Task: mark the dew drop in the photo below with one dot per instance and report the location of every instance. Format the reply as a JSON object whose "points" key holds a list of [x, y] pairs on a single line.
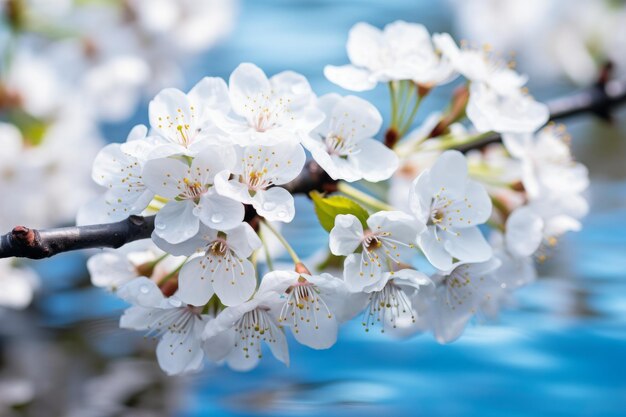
{"points": [[144, 289], [282, 214], [217, 217], [160, 226], [175, 303], [268, 205]]}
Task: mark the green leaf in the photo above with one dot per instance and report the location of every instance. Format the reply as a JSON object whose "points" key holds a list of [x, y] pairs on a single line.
{"points": [[327, 208]]}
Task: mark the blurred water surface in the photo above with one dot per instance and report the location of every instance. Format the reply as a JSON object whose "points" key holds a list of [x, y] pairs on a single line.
{"points": [[560, 352]]}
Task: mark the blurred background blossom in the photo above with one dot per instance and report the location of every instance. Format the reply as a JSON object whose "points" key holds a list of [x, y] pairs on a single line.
{"points": [[78, 73]]}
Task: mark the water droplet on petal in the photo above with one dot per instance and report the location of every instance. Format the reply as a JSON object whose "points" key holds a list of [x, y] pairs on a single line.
{"points": [[144, 289], [160, 226], [217, 217], [282, 214], [268, 205], [175, 302]]}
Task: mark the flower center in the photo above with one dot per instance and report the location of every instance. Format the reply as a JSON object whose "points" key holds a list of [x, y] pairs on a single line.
{"points": [[218, 248], [193, 189], [254, 326], [339, 145], [303, 305], [387, 306]]}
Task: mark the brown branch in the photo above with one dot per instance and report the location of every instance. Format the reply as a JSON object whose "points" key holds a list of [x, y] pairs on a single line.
{"points": [[23, 242]]}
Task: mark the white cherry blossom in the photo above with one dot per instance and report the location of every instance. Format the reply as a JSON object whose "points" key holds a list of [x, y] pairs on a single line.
{"points": [[390, 302], [222, 266], [514, 112], [258, 173], [177, 325], [370, 252], [497, 101], [313, 306], [452, 206], [548, 167], [246, 326], [401, 51], [192, 196], [459, 295], [268, 111], [112, 268], [182, 121], [118, 168], [343, 144]]}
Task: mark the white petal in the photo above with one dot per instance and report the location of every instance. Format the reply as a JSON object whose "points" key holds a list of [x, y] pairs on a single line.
{"points": [[399, 225], [232, 189], [284, 161], [110, 270], [180, 352], [470, 211], [350, 77], [176, 221], [212, 160], [449, 174], [137, 318], [235, 284], [346, 236], [361, 272], [320, 333], [469, 246], [168, 110], [246, 83], [194, 282], [219, 212], [275, 204], [375, 161], [218, 347], [434, 250], [524, 232], [364, 44], [354, 118], [243, 240], [141, 292], [164, 176], [420, 197], [211, 92], [185, 248]]}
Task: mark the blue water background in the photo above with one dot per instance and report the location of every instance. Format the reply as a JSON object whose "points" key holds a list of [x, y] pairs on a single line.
{"points": [[560, 352]]}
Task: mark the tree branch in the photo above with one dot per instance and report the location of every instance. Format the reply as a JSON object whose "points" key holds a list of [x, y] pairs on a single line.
{"points": [[37, 244], [23, 242]]}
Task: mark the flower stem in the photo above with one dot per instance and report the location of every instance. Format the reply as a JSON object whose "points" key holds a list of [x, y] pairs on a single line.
{"points": [[292, 253], [409, 121], [394, 105], [362, 197]]}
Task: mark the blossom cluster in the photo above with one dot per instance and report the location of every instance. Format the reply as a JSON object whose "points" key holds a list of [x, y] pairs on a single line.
{"points": [[219, 164], [65, 68]]}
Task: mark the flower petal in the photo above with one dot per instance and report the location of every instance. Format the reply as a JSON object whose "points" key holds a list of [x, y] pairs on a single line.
{"points": [[275, 204], [350, 77], [176, 221], [346, 235], [164, 176], [375, 161], [195, 282], [468, 246], [219, 212]]}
